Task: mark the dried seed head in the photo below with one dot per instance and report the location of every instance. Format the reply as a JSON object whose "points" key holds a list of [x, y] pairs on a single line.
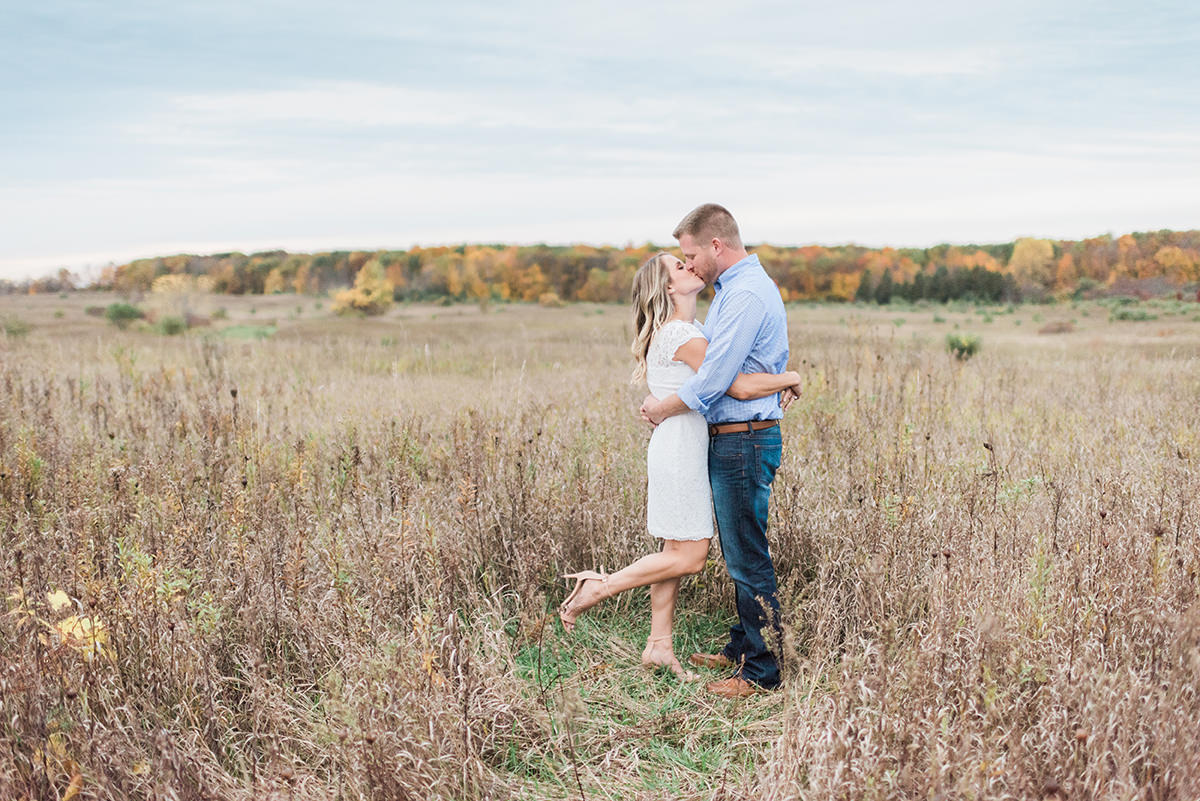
{"points": [[1081, 735], [1103, 513]]}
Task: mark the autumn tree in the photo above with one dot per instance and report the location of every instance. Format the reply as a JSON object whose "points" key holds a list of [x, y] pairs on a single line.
{"points": [[844, 286], [1177, 264], [1033, 261], [179, 294], [371, 295], [1065, 274]]}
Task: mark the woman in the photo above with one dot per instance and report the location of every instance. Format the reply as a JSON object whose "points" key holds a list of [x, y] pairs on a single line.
{"points": [[668, 348]]}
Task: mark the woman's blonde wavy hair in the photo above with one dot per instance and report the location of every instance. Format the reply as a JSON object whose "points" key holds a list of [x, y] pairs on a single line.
{"points": [[651, 308]]}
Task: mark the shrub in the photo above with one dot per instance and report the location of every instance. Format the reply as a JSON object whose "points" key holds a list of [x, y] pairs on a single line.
{"points": [[1131, 314], [1059, 327], [172, 325], [122, 314], [963, 346], [14, 326], [550, 300], [221, 314], [94, 311]]}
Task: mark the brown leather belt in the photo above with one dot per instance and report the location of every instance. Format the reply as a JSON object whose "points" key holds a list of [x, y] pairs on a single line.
{"points": [[747, 426]]}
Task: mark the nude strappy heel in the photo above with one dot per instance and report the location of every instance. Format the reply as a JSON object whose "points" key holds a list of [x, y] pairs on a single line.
{"points": [[565, 613]]}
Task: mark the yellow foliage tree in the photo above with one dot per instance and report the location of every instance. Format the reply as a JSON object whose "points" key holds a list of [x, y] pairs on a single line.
{"points": [[178, 293], [304, 281], [372, 292], [1178, 264], [844, 285], [275, 283], [1033, 260], [531, 283]]}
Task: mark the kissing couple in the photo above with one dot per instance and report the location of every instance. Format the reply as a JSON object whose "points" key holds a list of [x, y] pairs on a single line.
{"points": [[717, 395]]}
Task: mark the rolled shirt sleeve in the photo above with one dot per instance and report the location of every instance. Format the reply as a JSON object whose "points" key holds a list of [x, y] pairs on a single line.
{"points": [[728, 351]]}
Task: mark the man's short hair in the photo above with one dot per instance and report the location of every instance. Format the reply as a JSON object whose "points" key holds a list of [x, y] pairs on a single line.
{"points": [[710, 221]]}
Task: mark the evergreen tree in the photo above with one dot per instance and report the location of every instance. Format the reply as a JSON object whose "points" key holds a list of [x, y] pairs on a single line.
{"points": [[919, 289], [940, 289], [864, 293], [883, 292]]}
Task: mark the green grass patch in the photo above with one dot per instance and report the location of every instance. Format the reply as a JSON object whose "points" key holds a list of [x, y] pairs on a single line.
{"points": [[1131, 314], [248, 332], [682, 739], [14, 326]]}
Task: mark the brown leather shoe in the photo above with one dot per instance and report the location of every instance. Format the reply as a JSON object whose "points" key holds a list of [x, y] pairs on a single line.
{"points": [[711, 661], [733, 687]]}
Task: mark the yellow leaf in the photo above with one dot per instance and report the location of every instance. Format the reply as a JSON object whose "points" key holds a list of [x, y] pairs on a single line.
{"points": [[73, 787], [88, 635], [58, 599]]}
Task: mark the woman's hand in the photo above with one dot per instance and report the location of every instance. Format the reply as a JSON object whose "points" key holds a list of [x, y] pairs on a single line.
{"points": [[644, 410], [789, 393]]}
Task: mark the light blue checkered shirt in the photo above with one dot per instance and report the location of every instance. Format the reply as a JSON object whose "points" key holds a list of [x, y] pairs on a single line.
{"points": [[746, 329]]}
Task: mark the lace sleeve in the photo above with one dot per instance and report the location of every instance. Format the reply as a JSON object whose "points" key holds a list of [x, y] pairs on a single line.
{"points": [[670, 337]]}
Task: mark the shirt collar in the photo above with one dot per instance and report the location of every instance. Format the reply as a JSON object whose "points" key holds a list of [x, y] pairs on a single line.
{"points": [[734, 270]]}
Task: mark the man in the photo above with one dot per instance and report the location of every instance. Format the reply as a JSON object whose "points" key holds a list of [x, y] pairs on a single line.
{"points": [[747, 332]]}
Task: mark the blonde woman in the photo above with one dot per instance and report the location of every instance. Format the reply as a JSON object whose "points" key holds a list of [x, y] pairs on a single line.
{"points": [[668, 347]]}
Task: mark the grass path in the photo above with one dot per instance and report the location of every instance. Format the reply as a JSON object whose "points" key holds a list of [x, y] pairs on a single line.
{"points": [[627, 728]]}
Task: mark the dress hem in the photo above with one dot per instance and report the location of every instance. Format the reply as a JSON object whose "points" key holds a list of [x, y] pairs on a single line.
{"points": [[681, 539]]}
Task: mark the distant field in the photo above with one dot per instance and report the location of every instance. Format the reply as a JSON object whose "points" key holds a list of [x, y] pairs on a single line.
{"points": [[292, 555]]}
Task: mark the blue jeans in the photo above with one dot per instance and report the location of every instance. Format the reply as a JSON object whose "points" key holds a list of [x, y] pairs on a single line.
{"points": [[741, 467]]}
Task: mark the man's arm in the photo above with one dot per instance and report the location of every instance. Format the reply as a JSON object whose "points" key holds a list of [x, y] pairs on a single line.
{"points": [[741, 317]]}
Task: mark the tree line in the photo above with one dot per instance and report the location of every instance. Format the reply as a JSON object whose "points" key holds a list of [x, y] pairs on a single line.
{"points": [[1027, 269]]}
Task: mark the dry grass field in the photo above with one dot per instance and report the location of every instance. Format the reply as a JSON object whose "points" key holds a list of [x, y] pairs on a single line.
{"points": [[296, 556]]}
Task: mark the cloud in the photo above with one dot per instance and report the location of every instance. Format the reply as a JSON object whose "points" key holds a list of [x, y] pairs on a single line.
{"points": [[821, 62], [367, 106]]}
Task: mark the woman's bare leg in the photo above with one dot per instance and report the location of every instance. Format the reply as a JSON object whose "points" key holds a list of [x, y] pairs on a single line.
{"points": [[677, 558], [663, 595], [660, 647], [661, 571]]}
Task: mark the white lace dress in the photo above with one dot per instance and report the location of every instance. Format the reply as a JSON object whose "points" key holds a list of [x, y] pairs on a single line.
{"points": [[679, 499]]}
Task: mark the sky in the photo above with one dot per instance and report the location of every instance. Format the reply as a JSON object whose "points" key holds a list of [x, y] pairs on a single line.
{"points": [[134, 129]]}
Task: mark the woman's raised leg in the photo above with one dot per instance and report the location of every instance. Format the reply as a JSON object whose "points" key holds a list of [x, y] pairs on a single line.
{"points": [[677, 558]]}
